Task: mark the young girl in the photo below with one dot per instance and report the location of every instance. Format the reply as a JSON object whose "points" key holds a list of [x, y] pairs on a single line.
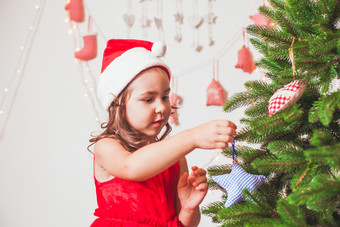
{"points": [[140, 179]]}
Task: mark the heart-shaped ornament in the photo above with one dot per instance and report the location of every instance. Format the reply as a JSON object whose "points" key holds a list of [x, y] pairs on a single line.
{"points": [[129, 19], [158, 23]]}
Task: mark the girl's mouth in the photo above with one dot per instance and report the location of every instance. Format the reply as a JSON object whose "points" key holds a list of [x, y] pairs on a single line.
{"points": [[158, 123]]}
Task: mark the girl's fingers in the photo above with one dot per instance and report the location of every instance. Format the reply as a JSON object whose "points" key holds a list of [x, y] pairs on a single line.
{"points": [[198, 180], [183, 180], [202, 187], [226, 123], [224, 138]]}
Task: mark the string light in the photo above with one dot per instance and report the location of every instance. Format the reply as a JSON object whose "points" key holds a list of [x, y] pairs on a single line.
{"points": [[7, 101]]}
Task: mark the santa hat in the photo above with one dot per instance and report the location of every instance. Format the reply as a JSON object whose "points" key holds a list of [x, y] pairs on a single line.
{"points": [[123, 60]]}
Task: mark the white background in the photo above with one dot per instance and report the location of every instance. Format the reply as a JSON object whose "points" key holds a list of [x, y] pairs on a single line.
{"points": [[45, 170]]}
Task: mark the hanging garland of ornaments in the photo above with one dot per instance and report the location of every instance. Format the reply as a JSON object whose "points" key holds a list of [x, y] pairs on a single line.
{"points": [[196, 21], [129, 18], [211, 18], [159, 20], [178, 21]]}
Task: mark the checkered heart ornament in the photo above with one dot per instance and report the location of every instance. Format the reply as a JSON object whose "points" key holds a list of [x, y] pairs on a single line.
{"points": [[238, 180], [286, 96]]}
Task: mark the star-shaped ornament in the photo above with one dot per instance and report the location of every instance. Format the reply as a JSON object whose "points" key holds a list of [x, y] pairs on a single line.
{"points": [[236, 181], [260, 20], [179, 17]]}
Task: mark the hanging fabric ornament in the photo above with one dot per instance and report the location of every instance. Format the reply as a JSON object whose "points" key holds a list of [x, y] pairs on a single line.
{"points": [[175, 100], [238, 180], [286, 96], [196, 22], [259, 19], [215, 92], [289, 94], [75, 9], [129, 18], [245, 58], [178, 21], [89, 50]]}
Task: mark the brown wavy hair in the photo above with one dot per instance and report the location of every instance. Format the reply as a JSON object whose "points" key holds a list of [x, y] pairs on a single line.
{"points": [[117, 127]]}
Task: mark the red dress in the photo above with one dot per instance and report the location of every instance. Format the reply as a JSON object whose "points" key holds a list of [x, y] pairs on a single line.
{"points": [[147, 203]]}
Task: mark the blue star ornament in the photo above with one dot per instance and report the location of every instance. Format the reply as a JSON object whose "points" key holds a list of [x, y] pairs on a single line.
{"points": [[236, 181]]}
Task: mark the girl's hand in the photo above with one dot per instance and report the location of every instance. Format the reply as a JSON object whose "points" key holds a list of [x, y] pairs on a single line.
{"points": [[213, 135], [192, 188]]}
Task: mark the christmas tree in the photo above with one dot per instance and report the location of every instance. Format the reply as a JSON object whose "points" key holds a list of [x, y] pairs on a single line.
{"points": [[296, 145]]}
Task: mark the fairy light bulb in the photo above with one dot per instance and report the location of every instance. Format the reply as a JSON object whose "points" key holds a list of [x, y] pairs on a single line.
{"points": [[97, 119], [70, 31], [86, 81], [37, 7], [31, 27], [1, 111], [6, 89], [22, 47], [67, 20], [18, 71], [86, 95], [91, 89]]}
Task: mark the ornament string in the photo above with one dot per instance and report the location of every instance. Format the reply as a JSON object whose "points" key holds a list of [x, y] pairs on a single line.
{"points": [[234, 153], [291, 56]]}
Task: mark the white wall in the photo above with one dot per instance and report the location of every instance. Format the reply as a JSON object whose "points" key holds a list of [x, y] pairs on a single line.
{"points": [[45, 170]]}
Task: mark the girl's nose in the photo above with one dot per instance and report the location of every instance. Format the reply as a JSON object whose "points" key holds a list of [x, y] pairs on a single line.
{"points": [[160, 108]]}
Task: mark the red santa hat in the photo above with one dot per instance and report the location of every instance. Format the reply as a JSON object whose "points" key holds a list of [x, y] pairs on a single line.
{"points": [[123, 60]]}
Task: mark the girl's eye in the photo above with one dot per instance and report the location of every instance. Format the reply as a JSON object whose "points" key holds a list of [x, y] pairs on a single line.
{"points": [[165, 97], [147, 100]]}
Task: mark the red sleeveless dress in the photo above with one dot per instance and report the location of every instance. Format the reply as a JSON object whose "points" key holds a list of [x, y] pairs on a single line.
{"points": [[147, 203]]}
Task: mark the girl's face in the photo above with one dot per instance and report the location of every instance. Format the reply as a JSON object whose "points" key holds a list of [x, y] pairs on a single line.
{"points": [[148, 106]]}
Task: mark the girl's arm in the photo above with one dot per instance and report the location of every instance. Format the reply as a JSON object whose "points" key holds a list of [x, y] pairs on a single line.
{"points": [[154, 158]]}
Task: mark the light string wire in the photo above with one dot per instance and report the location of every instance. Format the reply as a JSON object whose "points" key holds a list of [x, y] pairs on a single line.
{"points": [[20, 68]]}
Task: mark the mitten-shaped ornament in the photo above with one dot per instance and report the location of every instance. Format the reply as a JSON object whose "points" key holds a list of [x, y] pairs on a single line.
{"points": [[89, 50], [174, 101], [236, 181], [245, 60], [76, 10], [286, 96], [215, 94]]}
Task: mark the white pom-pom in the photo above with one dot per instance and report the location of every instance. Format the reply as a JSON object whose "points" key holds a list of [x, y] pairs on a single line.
{"points": [[158, 48]]}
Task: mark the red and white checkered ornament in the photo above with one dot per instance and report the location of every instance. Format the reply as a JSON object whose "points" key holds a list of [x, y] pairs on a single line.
{"points": [[286, 96]]}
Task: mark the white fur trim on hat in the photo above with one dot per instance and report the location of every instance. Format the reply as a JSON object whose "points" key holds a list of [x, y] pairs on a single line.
{"points": [[118, 74]]}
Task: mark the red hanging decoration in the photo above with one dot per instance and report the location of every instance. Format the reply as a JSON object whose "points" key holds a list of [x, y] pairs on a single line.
{"points": [[215, 94], [286, 96], [89, 50], [75, 9], [175, 100], [245, 60]]}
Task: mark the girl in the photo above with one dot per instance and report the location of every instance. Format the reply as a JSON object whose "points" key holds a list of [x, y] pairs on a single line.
{"points": [[143, 180]]}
